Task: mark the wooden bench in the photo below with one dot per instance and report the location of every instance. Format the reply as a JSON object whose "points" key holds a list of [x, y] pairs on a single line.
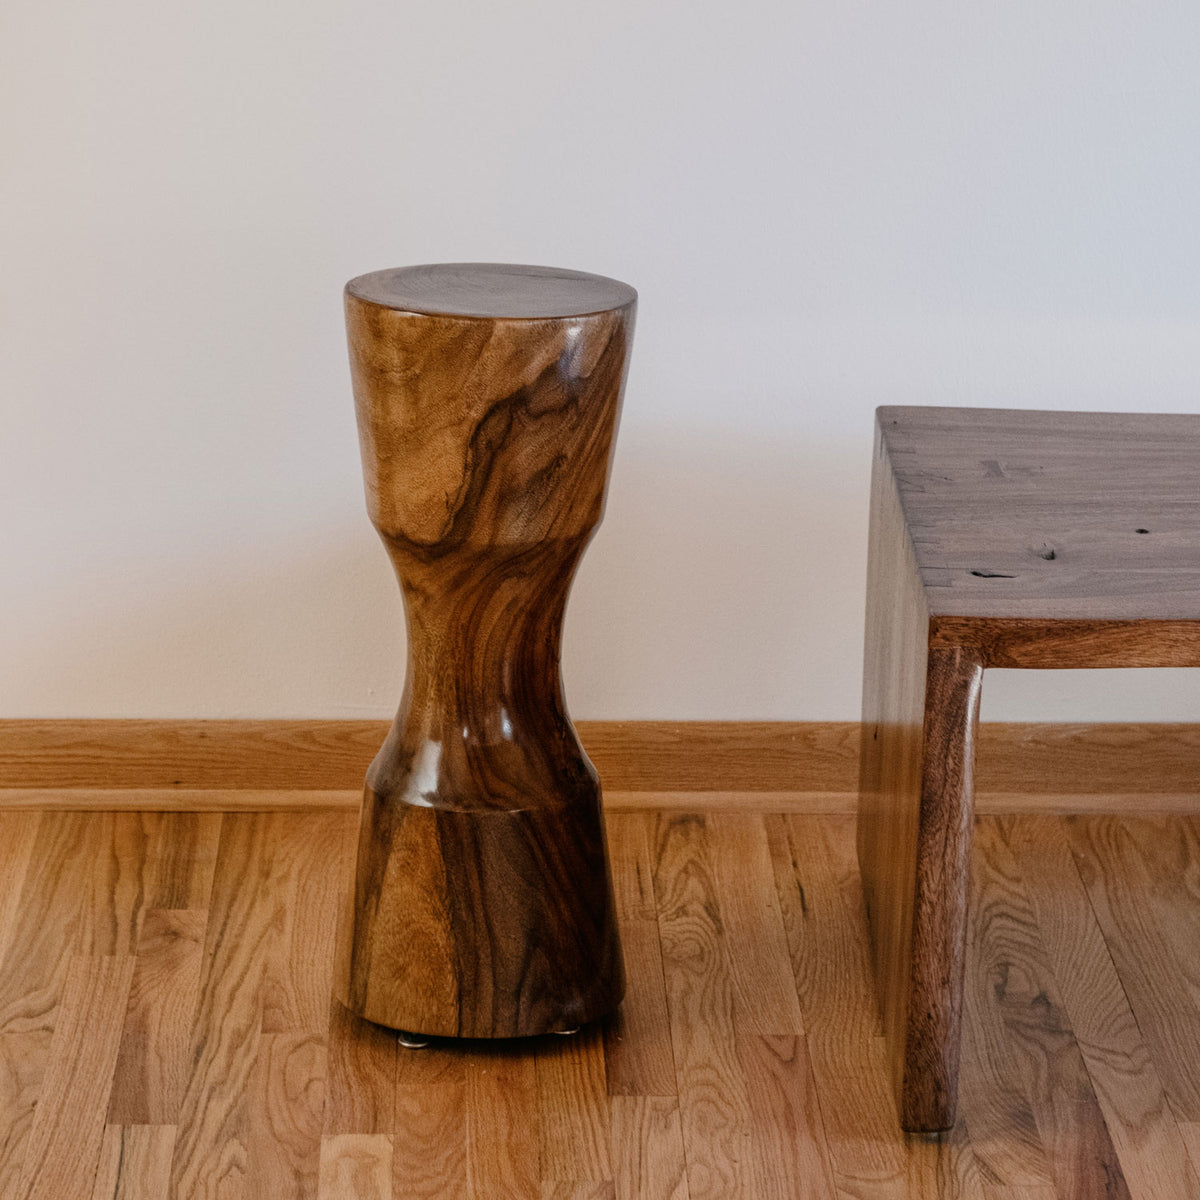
{"points": [[999, 538]]}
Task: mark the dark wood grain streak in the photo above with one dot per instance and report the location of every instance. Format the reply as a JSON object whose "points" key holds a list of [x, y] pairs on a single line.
{"points": [[482, 905], [998, 539]]}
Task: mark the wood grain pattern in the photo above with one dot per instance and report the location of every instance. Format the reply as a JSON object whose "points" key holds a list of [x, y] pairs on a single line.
{"points": [[827, 939], [310, 862], [1082, 1158], [221, 766], [212, 1145], [135, 1163], [34, 969], [1079, 990], [1149, 1145], [573, 1112], [920, 708], [183, 859], [225, 761], [713, 1104], [67, 1131], [154, 1059], [122, 846], [1122, 883], [18, 831], [637, 1039], [284, 1113], [356, 1166], [999, 1109], [785, 1113], [556, 1189], [648, 1155], [361, 1076], [987, 803], [502, 1123], [764, 991], [998, 539], [429, 1145], [943, 1166], [482, 905], [23, 1059]]}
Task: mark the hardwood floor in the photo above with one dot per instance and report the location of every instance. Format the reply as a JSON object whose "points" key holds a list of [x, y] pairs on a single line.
{"points": [[166, 1028]]}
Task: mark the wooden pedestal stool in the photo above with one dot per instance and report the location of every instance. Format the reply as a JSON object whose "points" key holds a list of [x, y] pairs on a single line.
{"points": [[487, 399], [998, 539]]}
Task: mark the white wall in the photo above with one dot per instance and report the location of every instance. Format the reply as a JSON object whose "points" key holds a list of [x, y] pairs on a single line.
{"points": [[825, 206]]}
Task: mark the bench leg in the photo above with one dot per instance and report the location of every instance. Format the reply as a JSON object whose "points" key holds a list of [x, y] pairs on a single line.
{"points": [[920, 710], [914, 851]]}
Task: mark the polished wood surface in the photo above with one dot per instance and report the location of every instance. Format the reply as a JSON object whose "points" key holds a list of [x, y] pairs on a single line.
{"points": [[1054, 533], [315, 762], [133, 1068], [998, 539], [487, 401], [506, 291]]}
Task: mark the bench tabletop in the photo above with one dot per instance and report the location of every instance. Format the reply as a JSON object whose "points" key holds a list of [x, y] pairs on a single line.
{"points": [[1058, 515]]}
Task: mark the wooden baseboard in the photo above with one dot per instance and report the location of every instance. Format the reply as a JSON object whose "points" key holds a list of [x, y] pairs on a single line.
{"points": [[777, 766]]}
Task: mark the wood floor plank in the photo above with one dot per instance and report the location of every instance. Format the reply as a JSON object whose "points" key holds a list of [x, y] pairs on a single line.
{"points": [[356, 1166], [870, 1155], [827, 940], [791, 1157], [117, 882], [18, 831], [1030, 1191], [1082, 981], [1119, 884], [23, 1061], [155, 1053], [637, 1040], [67, 1130], [361, 1085], [648, 1158], [1169, 848], [1148, 1141], [945, 1166], [502, 1123], [993, 1097], [1190, 1132], [210, 1156], [183, 859], [1082, 1158], [429, 1142], [23, 1056], [764, 990], [135, 1163], [34, 970], [573, 1115], [311, 862], [713, 1105], [284, 1117], [360, 1089]]}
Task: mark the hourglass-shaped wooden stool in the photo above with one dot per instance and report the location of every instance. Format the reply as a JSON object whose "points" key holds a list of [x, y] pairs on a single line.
{"points": [[487, 400]]}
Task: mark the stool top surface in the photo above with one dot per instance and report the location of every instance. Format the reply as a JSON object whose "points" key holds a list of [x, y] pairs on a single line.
{"points": [[1062, 515], [496, 291]]}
